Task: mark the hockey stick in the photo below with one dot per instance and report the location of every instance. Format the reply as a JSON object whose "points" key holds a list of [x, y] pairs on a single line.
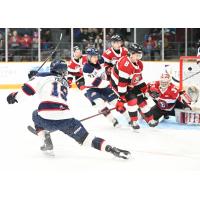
{"points": [[100, 113], [51, 54], [32, 130], [177, 81], [79, 79]]}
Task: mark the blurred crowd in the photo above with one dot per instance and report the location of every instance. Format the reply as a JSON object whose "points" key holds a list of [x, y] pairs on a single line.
{"points": [[125, 33], [2, 44], [152, 44], [23, 42], [89, 37]]}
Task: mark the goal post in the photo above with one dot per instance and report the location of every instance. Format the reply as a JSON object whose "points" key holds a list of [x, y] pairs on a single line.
{"points": [[188, 78], [188, 69]]}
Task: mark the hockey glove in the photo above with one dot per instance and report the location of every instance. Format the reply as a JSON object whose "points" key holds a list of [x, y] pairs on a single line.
{"points": [[32, 73], [120, 106], [69, 81], [154, 93], [11, 98], [82, 87]]}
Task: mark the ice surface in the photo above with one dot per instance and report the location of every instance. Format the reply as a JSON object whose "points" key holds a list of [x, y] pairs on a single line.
{"points": [[168, 147]]}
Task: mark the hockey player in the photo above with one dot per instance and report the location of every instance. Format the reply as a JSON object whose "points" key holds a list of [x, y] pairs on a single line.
{"points": [[75, 68], [98, 87], [114, 53], [127, 81], [167, 97], [53, 112]]}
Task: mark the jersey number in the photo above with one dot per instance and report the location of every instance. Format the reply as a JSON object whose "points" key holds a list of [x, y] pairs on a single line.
{"points": [[126, 64], [62, 92]]}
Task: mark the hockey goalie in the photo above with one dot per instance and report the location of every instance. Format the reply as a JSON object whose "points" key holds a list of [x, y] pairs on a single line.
{"points": [[169, 101]]}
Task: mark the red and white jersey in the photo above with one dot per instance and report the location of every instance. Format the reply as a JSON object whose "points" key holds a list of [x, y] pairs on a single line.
{"points": [[123, 73], [52, 92], [168, 97], [137, 77], [111, 57], [76, 68]]}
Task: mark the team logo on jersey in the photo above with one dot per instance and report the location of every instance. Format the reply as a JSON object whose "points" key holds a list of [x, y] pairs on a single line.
{"points": [[162, 104]]}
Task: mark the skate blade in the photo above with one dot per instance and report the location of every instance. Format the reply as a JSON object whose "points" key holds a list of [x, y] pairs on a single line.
{"points": [[125, 156], [49, 153]]}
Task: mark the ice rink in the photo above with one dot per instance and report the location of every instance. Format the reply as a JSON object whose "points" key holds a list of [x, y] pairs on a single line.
{"points": [[168, 147]]}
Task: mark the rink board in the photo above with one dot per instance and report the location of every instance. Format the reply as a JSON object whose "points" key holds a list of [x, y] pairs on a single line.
{"points": [[14, 74]]}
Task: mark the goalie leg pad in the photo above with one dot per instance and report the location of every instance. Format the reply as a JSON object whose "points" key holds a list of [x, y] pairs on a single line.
{"points": [[187, 117]]}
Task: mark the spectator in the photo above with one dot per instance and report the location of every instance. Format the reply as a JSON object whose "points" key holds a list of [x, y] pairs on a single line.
{"points": [[108, 44], [111, 32], [84, 35], [149, 47], [2, 47], [35, 46], [77, 34], [46, 39], [98, 43], [14, 41], [35, 40], [25, 42]]}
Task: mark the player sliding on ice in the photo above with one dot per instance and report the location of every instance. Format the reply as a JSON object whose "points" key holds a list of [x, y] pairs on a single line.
{"points": [[53, 112], [167, 97]]}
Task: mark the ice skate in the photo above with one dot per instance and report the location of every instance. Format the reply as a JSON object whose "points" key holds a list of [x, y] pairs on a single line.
{"points": [[153, 123], [134, 125], [118, 152]]}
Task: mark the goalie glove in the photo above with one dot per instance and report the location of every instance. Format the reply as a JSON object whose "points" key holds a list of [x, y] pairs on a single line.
{"points": [[153, 92]]}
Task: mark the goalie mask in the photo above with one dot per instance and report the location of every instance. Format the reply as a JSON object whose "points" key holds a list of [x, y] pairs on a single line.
{"points": [[165, 80]]}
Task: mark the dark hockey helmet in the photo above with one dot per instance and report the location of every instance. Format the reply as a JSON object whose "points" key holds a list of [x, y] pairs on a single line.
{"points": [[92, 52], [135, 48], [58, 67], [116, 38], [76, 48]]}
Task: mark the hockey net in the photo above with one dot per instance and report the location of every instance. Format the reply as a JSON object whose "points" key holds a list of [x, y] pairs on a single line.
{"points": [[187, 77]]}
